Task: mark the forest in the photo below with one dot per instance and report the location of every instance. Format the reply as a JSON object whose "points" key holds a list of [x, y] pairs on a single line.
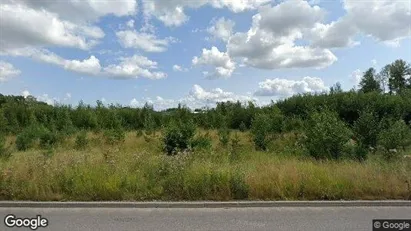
{"points": [[331, 145]]}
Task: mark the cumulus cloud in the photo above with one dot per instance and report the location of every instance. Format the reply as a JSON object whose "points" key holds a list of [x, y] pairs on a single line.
{"points": [[143, 41], [356, 77], [197, 97], [130, 23], [134, 67], [384, 20], [270, 42], [129, 67], [224, 66], [222, 29], [171, 12], [82, 11], [25, 93], [285, 88], [7, 71], [179, 68]]}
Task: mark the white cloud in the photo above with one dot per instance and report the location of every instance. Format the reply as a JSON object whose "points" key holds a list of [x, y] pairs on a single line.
{"points": [[130, 23], [224, 66], [374, 62], [270, 42], [129, 67], [47, 99], [134, 67], [222, 29], [197, 97], [356, 77], [171, 12], [82, 11], [25, 93], [285, 88], [7, 71], [143, 41], [23, 26], [179, 68], [384, 20]]}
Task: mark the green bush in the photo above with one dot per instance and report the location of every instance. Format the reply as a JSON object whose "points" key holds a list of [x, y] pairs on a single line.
{"points": [[366, 129], [202, 142], [238, 187], [178, 136], [395, 136], [48, 139], [235, 147], [81, 140], [326, 135], [260, 130], [114, 136], [28, 137], [4, 152], [242, 127], [224, 136]]}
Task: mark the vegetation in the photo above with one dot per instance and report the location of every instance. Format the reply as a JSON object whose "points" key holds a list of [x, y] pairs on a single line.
{"points": [[331, 145]]}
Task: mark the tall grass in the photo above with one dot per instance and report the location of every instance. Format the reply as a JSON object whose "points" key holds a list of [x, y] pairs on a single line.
{"points": [[138, 170]]}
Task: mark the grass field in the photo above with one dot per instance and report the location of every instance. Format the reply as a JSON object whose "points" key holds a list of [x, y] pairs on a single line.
{"points": [[138, 170]]}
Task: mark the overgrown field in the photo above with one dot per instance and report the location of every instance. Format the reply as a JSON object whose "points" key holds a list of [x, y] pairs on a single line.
{"points": [[137, 169], [325, 146]]}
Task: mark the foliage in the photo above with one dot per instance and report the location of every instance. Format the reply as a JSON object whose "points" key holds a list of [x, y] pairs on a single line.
{"points": [[224, 136], [81, 140], [396, 135], [114, 136], [260, 130], [178, 136], [326, 135], [366, 129], [369, 83], [202, 141]]}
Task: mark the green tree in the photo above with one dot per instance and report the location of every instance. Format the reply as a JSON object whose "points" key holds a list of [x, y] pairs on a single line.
{"points": [[366, 129], [326, 135], [260, 129], [398, 71], [396, 135], [369, 82]]}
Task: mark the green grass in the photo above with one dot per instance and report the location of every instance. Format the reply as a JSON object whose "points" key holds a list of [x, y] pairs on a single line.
{"points": [[137, 170]]}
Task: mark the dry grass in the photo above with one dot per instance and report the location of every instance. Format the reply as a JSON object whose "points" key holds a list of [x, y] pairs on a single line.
{"points": [[138, 170]]}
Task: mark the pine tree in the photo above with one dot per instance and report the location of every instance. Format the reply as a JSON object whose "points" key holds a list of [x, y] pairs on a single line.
{"points": [[368, 82]]}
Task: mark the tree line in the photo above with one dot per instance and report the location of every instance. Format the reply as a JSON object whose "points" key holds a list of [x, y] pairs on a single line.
{"points": [[382, 102]]}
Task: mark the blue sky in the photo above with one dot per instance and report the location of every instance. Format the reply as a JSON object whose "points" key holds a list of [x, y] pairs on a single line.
{"points": [[126, 51]]}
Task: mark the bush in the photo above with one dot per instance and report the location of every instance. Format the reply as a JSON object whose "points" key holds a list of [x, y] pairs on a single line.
{"points": [[4, 152], [114, 136], [48, 139], [178, 136], [202, 142], [238, 187], [366, 129], [235, 147], [27, 138], [224, 136], [326, 135], [260, 130], [395, 136], [81, 140], [242, 127]]}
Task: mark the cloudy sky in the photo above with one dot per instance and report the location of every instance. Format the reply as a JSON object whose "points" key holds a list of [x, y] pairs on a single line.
{"points": [[196, 52]]}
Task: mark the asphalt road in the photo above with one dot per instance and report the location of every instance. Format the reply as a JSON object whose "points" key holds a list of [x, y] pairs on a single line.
{"points": [[280, 218]]}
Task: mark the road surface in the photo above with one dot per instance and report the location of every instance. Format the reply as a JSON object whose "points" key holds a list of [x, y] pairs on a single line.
{"points": [[279, 218]]}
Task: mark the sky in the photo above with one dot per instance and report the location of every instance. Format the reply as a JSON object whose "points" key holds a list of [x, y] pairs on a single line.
{"points": [[194, 52]]}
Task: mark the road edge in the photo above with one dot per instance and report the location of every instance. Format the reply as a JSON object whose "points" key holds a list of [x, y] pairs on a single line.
{"points": [[203, 204]]}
